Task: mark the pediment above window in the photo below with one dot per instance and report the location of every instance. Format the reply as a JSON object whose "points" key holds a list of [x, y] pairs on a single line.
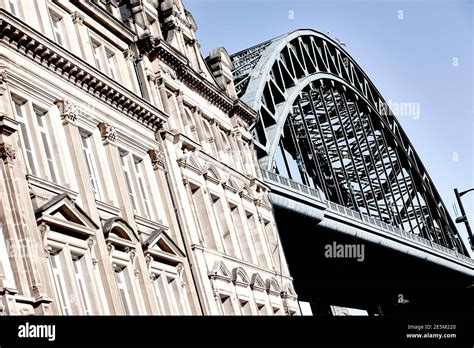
{"points": [[189, 161], [220, 271], [162, 248], [257, 283], [231, 185], [272, 286], [240, 277], [211, 174], [247, 193], [62, 212], [119, 232], [289, 292]]}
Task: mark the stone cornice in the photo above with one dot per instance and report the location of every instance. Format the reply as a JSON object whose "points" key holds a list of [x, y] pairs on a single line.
{"points": [[50, 55], [156, 48]]}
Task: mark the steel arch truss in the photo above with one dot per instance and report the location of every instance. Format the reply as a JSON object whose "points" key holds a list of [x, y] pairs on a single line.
{"points": [[322, 122]]}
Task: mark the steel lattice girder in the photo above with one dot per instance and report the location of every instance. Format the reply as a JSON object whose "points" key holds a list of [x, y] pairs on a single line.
{"points": [[316, 103]]}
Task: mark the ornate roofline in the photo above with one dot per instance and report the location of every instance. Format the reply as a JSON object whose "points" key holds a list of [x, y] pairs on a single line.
{"points": [[50, 55], [155, 48]]}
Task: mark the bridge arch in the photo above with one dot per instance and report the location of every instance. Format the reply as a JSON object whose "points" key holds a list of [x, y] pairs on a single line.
{"points": [[324, 124]]}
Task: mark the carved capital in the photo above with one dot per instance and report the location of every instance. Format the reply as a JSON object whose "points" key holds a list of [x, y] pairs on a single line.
{"points": [[7, 153], [77, 18], [157, 158], [196, 110], [107, 132], [179, 95], [67, 110], [128, 54]]}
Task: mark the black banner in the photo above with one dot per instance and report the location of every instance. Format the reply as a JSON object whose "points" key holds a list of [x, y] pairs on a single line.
{"points": [[455, 329]]}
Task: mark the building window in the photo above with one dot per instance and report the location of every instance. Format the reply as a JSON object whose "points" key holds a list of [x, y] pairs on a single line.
{"points": [[45, 140], [104, 59], [262, 309], [167, 291], [221, 220], [14, 7], [72, 281], [96, 50], [68, 238], [57, 23], [245, 307], [226, 305], [142, 185], [79, 265], [60, 281], [123, 282], [165, 262], [241, 235], [121, 241], [111, 64], [202, 215], [25, 133], [257, 240], [124, 160], [91, 164]]}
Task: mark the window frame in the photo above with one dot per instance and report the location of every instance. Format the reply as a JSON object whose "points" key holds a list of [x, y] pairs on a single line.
{"points": [[57, 27], [125, 162], [26, 127], [71, 248], [45, 138], [105, 57], [91, 163], [148, 210]]}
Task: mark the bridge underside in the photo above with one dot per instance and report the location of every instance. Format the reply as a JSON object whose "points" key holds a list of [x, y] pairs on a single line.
{"points": [[374, 284]]}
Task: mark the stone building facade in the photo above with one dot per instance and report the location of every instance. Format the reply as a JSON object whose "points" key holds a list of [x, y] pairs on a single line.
{"points": [[128, 180]]}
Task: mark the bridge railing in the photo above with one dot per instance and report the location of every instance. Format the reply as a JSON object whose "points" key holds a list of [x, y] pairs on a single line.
{"points": [[291, 184], [351, 213]]}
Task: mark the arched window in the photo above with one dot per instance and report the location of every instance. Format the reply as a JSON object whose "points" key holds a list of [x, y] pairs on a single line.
{"points": [[210, 144], [190, 125], [226, 150]]}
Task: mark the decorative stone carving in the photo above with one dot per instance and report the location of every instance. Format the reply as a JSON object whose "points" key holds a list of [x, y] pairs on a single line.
{"points": [[67, 110], [157, 158], [168, 71], [77, 18], [107, 132], [110, 247], [239, 122], [44, 229], [128, 54], [90, 243], [7, 153], [3, 80]]}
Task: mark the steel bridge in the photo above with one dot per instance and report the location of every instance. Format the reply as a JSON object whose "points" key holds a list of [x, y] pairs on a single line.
{"points": [[341, 169]]}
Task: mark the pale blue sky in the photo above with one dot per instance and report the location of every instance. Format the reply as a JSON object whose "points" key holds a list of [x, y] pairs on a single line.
{"points": [[408, 60]]}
